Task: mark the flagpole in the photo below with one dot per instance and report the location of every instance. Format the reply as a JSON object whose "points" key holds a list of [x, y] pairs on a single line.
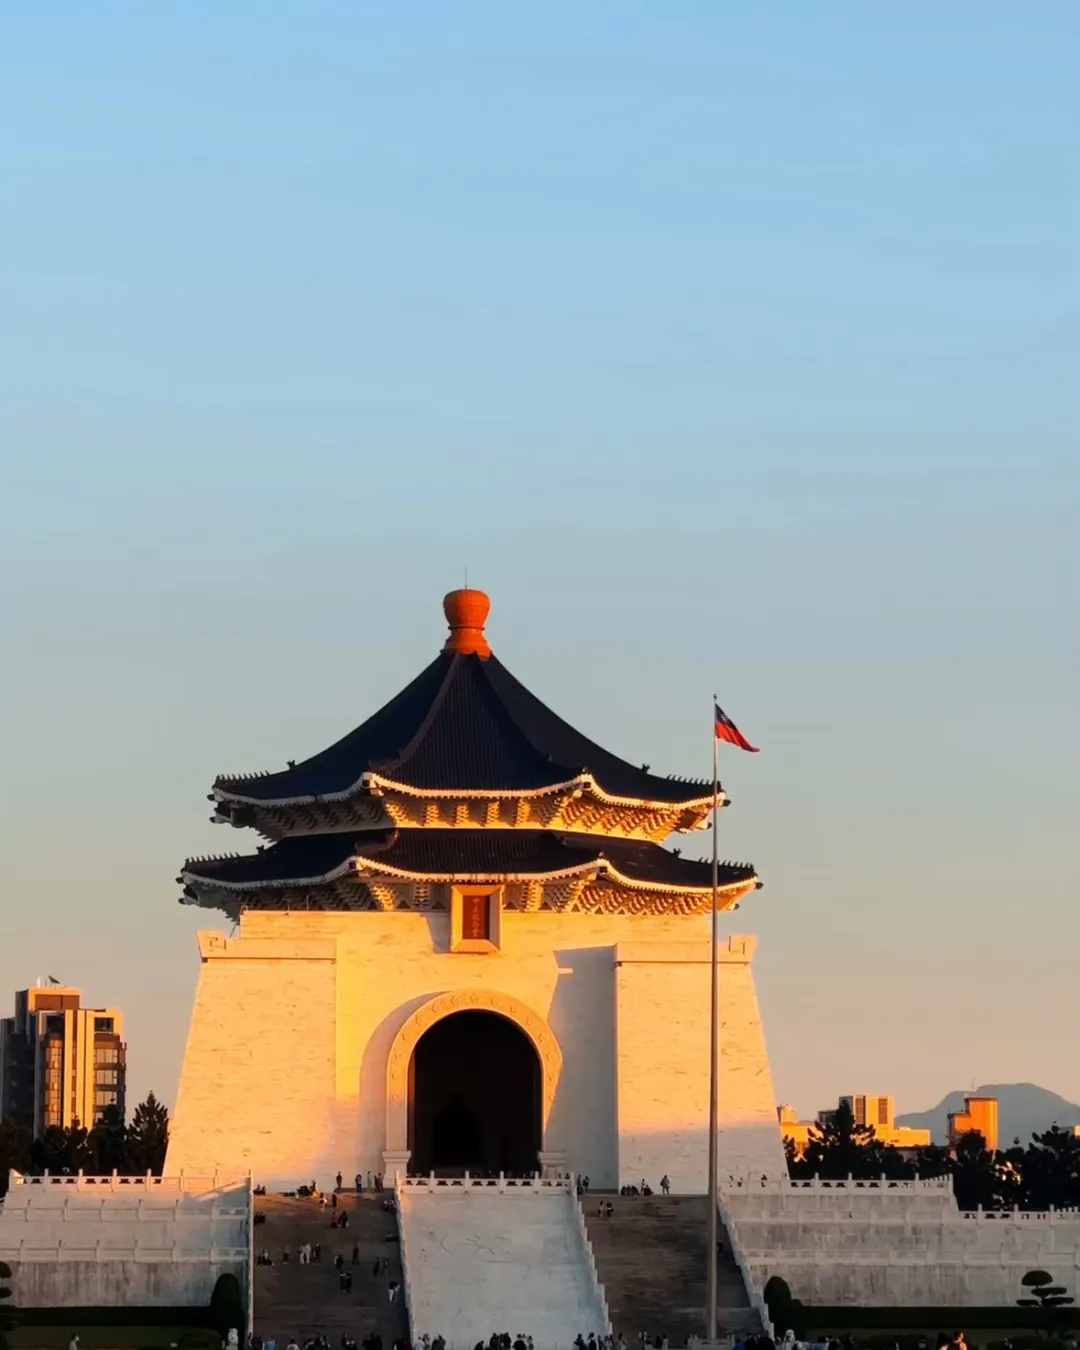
{"points": [[714, 1008]]}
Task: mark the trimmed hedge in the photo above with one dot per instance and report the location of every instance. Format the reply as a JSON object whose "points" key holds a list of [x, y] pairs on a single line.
{"points": [[920, 1319], [198, 1318]]}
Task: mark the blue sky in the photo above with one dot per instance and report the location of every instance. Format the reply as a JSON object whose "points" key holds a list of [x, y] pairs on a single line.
{"points": [[728, 346]]}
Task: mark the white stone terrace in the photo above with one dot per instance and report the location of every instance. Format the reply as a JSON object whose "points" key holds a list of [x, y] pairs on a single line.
{"points": [[77, 1239]]}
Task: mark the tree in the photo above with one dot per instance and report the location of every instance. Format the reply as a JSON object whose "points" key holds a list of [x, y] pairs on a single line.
{"points": [[15, 1144], [64, 1150], [109, 1142], [148, 1137], [1049, 1298], [8, 1316], [50, 1152], [839, 1148], [1051, 1170], [978, 1179]]}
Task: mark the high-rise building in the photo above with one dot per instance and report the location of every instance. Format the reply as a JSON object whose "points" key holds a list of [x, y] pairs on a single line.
{"points": [[875, 1111], [60, 1062], [980, 1115]]}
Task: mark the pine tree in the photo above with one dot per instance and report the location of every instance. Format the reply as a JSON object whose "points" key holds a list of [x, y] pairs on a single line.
{"points": [[148, 1137], [839, 1148], [109, 1141], [1051, 1170], [1049, 1298]]}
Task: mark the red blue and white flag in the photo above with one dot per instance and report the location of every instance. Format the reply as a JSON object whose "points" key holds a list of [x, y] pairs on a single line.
{"points": [[726, 730]]}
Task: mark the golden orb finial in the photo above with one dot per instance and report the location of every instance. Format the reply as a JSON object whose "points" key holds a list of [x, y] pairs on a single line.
{"points": [[466, 612]]}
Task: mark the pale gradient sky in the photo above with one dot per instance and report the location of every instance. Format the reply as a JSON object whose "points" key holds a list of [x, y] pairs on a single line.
{"points": [[729, 345]]}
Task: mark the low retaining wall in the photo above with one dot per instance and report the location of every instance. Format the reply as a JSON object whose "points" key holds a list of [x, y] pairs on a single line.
{"points": [[894, 1244], [84, 1241]]}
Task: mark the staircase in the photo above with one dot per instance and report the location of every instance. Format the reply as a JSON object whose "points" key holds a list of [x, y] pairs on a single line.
{"points": [[651, 1259], [484, 1257], [301, 1300]]}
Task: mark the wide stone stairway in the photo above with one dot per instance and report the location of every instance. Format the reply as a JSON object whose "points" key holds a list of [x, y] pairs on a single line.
{"points": [[651, 1259], [299, 1300], [512, 1258]]}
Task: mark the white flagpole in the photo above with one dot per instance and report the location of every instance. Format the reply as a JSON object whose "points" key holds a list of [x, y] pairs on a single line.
{"points": [[714, 1009]]}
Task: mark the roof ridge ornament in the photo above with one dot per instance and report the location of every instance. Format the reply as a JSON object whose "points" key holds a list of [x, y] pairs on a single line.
{"points": [[466, 612]]}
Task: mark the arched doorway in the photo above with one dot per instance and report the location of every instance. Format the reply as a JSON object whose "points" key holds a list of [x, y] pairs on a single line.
{"points": [[474, 1097]]}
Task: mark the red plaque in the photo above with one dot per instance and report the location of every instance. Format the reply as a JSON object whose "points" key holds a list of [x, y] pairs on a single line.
{"points": [[476, 918]]}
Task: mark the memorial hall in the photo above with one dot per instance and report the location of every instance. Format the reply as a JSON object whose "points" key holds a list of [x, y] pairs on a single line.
{"points": [[464, 944]]}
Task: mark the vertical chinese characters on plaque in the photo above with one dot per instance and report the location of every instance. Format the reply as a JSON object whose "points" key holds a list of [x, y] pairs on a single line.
{"points": [[476, 918]]}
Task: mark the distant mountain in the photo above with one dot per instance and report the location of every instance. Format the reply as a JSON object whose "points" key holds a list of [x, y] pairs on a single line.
{"points": [[1023, 1110]]}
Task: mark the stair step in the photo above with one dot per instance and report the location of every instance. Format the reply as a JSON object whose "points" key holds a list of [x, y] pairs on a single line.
{"points": [[299, 1300], [651, 1260]]}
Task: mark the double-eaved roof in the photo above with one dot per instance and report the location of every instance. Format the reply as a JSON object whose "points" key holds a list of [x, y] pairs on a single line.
{"points": [[465, 776]]}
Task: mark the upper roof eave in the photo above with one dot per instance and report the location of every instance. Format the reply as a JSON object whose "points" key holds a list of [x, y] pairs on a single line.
{"points": [[376, 784]]}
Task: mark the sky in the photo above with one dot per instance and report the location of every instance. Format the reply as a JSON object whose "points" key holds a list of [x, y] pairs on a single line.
{"points": [[729, 346]]}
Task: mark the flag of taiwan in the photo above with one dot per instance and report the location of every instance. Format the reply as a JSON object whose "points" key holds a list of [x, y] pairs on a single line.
{"points": [[726, 730]]}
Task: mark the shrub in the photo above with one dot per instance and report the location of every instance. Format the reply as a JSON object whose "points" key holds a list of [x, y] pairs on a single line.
{"points": [[227, 1306]]}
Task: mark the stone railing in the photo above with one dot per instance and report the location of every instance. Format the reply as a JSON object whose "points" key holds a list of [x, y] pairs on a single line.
{"points": [[1021, 1215], [500, 1185], [406, 1278], [754, 1291], [185, 1183], [786, 1185], [590, 1258]]}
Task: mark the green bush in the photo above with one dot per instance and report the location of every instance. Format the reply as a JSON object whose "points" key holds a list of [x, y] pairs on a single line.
{"points": [[227, 1306], [198, 1318], [198, 1340]]}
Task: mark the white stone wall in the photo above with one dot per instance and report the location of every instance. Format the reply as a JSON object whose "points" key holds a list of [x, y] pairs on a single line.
{"points": [[101, 1241], [115, 1281], [286, 1064], [257, 1091], [896, 1246], [663, 1066]]}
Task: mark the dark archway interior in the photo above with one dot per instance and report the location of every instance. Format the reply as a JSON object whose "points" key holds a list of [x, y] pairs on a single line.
{"points": [[474, 1097]]}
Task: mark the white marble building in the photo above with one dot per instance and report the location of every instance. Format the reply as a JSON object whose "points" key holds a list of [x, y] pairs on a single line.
{"points": [[464, 947]]}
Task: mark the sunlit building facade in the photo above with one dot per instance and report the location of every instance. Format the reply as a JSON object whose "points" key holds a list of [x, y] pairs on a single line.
{"points": [[60, 1063]]}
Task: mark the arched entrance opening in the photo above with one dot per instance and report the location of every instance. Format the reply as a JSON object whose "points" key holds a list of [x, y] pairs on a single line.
{"points": [[474, 1097]]}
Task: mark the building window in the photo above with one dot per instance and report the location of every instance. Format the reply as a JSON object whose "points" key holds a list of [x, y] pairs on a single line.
{"points": [[476, 919], [106, 1054], [883, 1111], [103, 1024]]}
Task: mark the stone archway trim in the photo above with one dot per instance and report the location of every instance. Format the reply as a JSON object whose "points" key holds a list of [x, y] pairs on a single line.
{"points": [[443, 1005]]}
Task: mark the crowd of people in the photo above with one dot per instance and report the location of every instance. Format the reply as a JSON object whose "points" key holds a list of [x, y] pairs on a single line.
{"points": [[581, 1185], [945, 1341]]}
